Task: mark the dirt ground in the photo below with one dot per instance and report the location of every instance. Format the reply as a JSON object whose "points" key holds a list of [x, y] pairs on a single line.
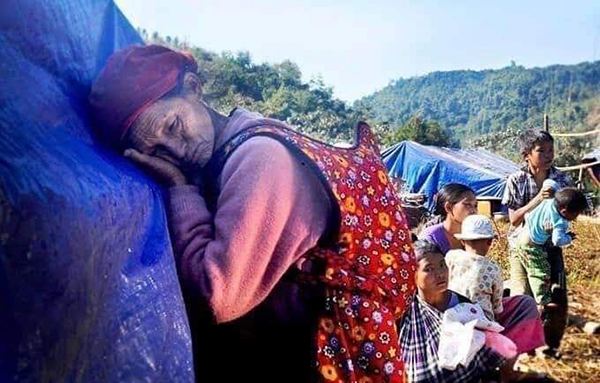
{"points": [[580, 360]]}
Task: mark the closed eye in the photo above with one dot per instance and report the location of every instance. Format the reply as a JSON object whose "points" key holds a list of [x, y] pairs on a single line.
{"points": [[173, 125]]}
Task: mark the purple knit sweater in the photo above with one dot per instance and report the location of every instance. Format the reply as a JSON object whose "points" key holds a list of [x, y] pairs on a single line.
{"points": [[271, 210]]}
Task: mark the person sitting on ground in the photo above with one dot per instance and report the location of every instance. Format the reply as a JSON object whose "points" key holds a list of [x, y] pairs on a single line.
{"points": [[453, 203], [479, 278], [420, 327], [549, 221]]}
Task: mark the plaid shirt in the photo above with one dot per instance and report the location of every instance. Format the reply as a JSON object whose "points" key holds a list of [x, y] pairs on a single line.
{"points": [[419, 339], [521, 186]]}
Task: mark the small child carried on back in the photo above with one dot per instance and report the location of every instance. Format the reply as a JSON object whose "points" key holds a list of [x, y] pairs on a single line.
{"points": [[549, 221]]}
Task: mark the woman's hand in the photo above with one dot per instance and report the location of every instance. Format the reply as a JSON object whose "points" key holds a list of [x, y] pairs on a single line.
{"points": [[163, 170]]}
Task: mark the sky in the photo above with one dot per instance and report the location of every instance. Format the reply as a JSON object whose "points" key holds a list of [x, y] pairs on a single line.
{"points": [[358, 47]]}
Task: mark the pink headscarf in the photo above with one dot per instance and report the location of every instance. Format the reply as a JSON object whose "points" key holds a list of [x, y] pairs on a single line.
{"points": [[132, 80]]}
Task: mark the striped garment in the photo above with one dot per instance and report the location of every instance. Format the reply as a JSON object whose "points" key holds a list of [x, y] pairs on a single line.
{"points": [[522, 188], [420, 337]]}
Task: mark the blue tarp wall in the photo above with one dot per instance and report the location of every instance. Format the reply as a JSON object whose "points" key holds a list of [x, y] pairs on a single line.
{"points": [[88, 284], [426, 169]]}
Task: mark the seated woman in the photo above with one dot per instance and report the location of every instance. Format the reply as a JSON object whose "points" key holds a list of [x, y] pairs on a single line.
{"points": [[420, 327], [454, 202]]}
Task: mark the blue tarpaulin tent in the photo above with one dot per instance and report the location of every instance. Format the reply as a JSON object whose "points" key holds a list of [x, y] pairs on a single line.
{"points": [[88, 283], [425, 169]]}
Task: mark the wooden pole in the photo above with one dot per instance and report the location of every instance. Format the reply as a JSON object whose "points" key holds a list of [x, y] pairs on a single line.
{"points": [[577, 167], [546, 123]]}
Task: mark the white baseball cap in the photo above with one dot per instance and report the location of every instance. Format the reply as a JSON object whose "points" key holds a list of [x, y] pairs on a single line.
{"points": [[476, 227]]}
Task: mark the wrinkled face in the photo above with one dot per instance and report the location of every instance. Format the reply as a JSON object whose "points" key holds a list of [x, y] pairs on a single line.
{"points": [[541, 156], [175, 129], [465, 207], [432, 274]]}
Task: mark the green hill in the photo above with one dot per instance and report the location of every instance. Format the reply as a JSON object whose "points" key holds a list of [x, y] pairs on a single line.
{"points": [[491, 100], [481, 106]]}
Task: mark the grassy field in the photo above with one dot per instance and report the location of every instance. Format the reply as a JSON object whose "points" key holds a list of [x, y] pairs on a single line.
{"points": [[581, 352]]}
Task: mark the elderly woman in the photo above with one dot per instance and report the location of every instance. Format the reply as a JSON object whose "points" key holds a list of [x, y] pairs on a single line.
{"points": [[454, 202], [294, 256], [420, 328], [524, 191]]}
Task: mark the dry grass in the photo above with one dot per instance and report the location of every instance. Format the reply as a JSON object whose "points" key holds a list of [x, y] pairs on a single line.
{"points": [[581, 351]]}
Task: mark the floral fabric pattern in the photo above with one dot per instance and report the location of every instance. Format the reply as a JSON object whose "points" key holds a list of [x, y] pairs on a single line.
{"points": [[369, 268], [477, 278]]}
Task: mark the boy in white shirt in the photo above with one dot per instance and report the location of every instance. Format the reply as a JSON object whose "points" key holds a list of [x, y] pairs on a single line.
{"points": [[472, 274], [479, 278]]}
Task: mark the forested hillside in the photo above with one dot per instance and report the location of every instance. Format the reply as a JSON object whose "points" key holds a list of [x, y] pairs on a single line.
{"points": [[487, 107]]}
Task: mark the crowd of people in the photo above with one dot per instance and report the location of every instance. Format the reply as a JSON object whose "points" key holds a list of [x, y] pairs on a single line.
{"points": [[295, 258]]}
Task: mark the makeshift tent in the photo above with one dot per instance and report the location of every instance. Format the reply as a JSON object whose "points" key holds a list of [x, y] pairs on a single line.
{"points": [[425, 169], [592, 156], [88, 283]]}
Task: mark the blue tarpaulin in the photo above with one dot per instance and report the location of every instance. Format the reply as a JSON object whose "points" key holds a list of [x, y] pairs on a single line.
{"points": [[88, 283], [426, 169]]}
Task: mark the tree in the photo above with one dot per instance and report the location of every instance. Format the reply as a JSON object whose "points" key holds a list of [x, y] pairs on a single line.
{"points": [[417, 129]]}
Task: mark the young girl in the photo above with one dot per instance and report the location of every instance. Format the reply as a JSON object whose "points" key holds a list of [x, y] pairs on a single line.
{"points": [[454, 202], [420, 328]]}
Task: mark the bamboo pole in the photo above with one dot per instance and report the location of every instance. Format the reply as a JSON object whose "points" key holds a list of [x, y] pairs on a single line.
{"points": [[576, 134], [577, 167]]}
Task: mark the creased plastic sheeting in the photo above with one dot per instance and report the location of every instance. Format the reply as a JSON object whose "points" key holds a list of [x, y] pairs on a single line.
{"points": [[426, 169], [88, 284], [592, 156]]}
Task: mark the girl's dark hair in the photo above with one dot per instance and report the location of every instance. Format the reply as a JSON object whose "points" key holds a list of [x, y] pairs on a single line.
{"points": [[452, 193], [532, 137], [422, 248]]}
